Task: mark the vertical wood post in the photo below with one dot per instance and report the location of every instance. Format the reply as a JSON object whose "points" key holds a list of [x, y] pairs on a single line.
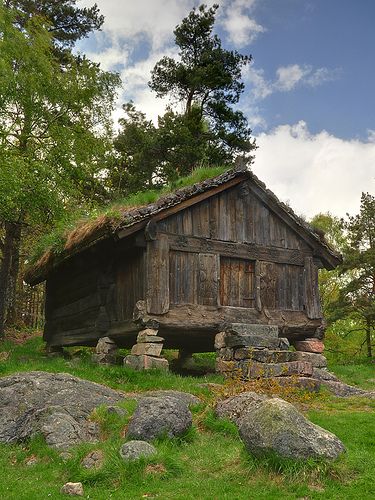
{"points": [[258, 299], [157, 301], [311, 289]]}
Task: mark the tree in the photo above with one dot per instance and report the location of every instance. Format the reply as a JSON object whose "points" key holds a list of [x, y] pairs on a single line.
{"points": [[357, 295], [207, 81], [136, 163], [330, 230], [66, 22], [54, 131]]}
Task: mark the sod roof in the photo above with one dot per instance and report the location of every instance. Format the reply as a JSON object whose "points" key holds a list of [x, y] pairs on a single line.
{"points": [[129, 220]]}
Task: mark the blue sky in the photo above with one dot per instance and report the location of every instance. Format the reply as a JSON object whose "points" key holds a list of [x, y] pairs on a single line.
{"points": [[309, 94]]}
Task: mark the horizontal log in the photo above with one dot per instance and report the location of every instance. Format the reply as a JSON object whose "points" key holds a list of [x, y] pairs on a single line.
{"points": [[187, 318], [83, 305], [250, 251]]}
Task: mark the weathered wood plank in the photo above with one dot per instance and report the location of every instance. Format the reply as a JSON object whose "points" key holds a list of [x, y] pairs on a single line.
{"points": [[125, 232], [158, 275], [208, 285], [311, 292], [183, 271], [329, 260], [237, 282], [241, 250]]}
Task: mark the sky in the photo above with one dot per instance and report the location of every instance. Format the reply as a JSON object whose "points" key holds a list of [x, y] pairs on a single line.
{"points": [[309, 92]]}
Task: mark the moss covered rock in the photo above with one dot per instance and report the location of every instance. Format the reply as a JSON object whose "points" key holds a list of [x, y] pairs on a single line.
{"points": [[275, 426]]}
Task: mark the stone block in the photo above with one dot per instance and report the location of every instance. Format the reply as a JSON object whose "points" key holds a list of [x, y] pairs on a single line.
{"points": [[284, 344], [223, 366], [145, 362], [297, 382], [220, 340], [309, 345], [145, 337], [317, 360], [253, 369], [147, 348], [256, 341], [265, 355], [149, 331], [226, 353], [268, 331], [73, 489], [106, 351]]}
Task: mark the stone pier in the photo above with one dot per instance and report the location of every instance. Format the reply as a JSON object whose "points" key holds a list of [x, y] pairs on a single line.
{"points": [[146, 353], [256, 351]]}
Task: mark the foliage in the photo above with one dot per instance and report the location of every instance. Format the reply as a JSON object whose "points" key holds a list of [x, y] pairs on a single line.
{"points": [[55, 129], [330, 229], [357, 296], [206, 80], [66, 22], [136, 165]]}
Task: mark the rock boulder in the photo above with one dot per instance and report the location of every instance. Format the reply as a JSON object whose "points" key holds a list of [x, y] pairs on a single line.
{"points": [[158, 416], [56, 404], [273, 425]]}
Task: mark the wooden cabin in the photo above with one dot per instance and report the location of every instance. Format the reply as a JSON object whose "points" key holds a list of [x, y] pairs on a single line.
{"points": [[224, 250]]}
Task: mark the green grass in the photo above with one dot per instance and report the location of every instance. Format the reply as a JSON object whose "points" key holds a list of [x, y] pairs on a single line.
{"points": [[209, 462], [55, 240]]}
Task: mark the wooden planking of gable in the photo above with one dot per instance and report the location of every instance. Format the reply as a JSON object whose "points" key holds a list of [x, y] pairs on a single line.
{"points": [[234, 215]]}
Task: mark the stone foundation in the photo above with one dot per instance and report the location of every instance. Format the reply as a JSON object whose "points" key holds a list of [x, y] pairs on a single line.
{"points": [[256, 351], [146, 353]]}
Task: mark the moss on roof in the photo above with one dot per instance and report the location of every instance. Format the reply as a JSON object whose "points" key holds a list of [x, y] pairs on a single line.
{"points": [[75, 235], [78, 226]]}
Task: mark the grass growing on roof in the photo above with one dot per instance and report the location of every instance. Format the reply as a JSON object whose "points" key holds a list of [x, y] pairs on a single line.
{"points": [[89, 218]]}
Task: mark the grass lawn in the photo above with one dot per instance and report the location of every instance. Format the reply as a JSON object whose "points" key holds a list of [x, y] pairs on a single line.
{"points": [[208, 463]]}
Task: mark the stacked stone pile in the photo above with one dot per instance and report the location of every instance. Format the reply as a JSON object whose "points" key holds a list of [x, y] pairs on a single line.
{"points": [[145, 354], [256, 351]]}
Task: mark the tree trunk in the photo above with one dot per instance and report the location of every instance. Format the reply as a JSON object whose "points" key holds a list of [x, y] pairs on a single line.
{"points": [[5, 269], [11, 315], [368, 340]]}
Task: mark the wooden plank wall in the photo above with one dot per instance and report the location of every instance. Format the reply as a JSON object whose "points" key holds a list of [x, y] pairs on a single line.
{"points": [[276, 279], [234, 215], [72, 299], [237, 282], [130, 283], [193, 278]]}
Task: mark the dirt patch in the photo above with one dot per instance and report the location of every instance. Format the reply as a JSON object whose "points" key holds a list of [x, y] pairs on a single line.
{"points": [[19, 337]]}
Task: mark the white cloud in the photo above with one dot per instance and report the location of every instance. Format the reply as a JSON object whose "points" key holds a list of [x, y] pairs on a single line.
{"points": [[316, 173], [371, 135], [288, 77], [241, 29], [135, 80], [152, 19]]}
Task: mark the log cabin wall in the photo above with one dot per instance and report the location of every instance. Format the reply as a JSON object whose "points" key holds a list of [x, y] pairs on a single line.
{"points": [[93, 293]]}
